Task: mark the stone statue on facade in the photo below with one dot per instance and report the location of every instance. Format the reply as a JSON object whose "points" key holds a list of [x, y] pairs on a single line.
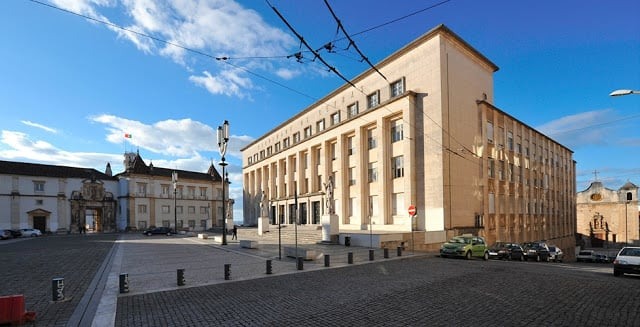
{"points": [[328, 197], [264, 205]]}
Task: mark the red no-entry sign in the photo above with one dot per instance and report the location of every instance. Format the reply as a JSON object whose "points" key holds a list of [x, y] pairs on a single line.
{"points": [[412, 210]]}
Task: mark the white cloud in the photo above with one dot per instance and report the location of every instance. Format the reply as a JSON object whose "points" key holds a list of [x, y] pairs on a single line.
{"points": [[287, 73], [581, 129], [40, 126], [215, 27]]}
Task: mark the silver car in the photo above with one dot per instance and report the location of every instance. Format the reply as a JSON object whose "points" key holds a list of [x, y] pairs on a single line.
{"points": [[31, 232], [555, 254]]}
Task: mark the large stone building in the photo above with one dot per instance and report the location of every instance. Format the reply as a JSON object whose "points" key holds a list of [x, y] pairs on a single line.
{"points": [[428, 135], [64, 199], [606, 215]]}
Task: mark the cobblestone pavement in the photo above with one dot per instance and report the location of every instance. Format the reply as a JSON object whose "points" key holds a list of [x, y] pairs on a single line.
{"points": [[29, 265], [411, 290]]}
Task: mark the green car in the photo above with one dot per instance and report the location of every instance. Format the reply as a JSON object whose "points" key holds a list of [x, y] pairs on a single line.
{"points": [[466, 246]]}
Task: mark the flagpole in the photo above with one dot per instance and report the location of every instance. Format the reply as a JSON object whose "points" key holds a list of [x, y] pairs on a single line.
{"points": [[296, 222]]}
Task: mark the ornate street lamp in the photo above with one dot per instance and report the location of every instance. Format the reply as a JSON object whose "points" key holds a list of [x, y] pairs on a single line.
{"points": [[223, 139], [174, 179]]}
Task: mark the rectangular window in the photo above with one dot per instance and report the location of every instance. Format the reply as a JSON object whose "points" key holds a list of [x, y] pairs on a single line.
{"points": [[307, 132], [192, 224], [352, 110], [373, 205], [510, 172], [510, 141], [165, 209], [142, 224], [191, 191], [373, 99], [397, 88], [501, 170], [489, 132], [350, 147], [191, 210], [203, 223], [335, 118], [352, 202], [165, 190], [396, 131], [166, 223], [203, 192], [142, 189], [352, 175], [492, 203], [320, 126], [269, 150], [179, 209], [286, 143], [204, 210], [38, 186], [397, 206], [397, 164], [371, 138], [333, 151], [373, 172], [142, 208], [296, 138], [39, 202], [277, 147], [492, 168]]}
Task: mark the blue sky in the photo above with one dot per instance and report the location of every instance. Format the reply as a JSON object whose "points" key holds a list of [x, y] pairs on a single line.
{"points": [[70, 88]]}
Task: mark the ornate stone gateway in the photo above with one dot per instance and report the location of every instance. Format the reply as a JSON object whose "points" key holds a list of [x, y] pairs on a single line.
{"points": [[93, 208]]}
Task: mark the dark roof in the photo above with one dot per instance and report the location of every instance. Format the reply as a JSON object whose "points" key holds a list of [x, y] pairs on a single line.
{"points": [[628, 186], [32, 169], [139, 167]]}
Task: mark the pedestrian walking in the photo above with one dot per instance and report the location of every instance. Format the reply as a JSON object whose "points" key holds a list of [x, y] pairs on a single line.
{"points": [[235, 233]]}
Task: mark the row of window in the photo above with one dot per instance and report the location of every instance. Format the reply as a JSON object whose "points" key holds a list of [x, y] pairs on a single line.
{"points": [[142, 208], [142, 224], [517, 147], [165, 190], [396, 88], [515, 174], [521, 205]]}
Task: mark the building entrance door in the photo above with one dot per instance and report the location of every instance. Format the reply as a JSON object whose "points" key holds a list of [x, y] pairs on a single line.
{"points": [[303, 213], [40, 222], [315, 212]]}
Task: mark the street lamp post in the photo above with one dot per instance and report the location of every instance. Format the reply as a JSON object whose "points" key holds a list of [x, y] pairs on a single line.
{"points": [[174, 179], [223, 139], [617, 93]]}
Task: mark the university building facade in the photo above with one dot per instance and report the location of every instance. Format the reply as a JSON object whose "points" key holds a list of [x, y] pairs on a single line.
{"points": [[61, 199], [427, 135]]}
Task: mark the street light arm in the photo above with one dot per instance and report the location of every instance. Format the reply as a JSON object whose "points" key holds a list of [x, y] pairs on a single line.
{"points": [[623, 92]]}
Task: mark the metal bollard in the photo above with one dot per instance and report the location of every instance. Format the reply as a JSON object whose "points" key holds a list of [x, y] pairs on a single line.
{"points": [[124, 283], [227, 271], [399, 251], [269, 267], [57, 289], [386, 253], [371, 252], [327, 260], [300, 263], [350, 258], [180, 277]]}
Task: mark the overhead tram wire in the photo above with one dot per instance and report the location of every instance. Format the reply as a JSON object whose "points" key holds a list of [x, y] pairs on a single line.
{"points": [[302, 40], [225, 60], [351, 41]]}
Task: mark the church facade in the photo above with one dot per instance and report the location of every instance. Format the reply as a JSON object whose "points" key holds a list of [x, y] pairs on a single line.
{"points": [[608, 215]]}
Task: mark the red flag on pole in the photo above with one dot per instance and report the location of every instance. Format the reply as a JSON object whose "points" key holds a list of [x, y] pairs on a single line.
{"points": [[127, 135]]}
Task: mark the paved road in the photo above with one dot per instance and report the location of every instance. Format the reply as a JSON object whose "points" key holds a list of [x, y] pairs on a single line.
{"points": [[400, 291]]}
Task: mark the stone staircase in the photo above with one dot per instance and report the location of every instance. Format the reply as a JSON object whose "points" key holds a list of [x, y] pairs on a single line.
{"points": [[305, 234]]}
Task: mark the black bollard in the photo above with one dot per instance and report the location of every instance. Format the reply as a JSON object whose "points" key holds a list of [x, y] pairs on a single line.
{"points": [[180, 277], [124, 283], [300, 264], [386, 253], [57, 289], [350, 258], [269, 267], [327, 260], [227, 271], [371, 252], [399, 251]]}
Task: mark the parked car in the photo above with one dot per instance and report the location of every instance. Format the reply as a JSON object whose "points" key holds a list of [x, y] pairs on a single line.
{"points": [[506, 250], [555, 254], [465, 246], [627, 261], [15, 233], [5, 234], [603, 258], [586, 256], [31, 232], [538, 251], [158, 230]]}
